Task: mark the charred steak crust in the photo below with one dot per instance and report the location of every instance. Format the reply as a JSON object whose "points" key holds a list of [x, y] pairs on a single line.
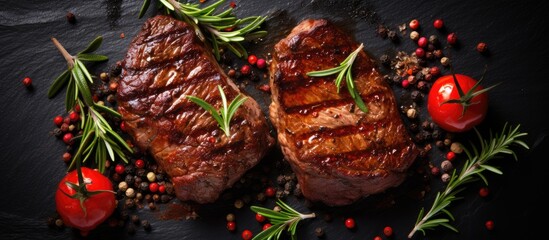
{"points": [[165, 63], [339, 153]]}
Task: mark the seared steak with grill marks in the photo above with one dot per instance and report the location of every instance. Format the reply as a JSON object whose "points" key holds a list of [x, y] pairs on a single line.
{"points": [[165, 63], [339, 153]]}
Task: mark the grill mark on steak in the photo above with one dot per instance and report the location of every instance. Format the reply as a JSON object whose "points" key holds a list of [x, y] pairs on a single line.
{"points": [[339, 153], [164, 64]]}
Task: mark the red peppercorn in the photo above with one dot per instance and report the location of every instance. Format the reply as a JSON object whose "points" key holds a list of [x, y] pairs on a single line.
{"points": [[153, 187], [414, 24], [74, 116], [232, 4], [482, 47], [378, 238], [252, 59], [27, 81], [139, 163], [161, 189], [67, 120], [405, 83], [265, 226], [388, 231], [245, 69], [58, 120], [435, 171], [123, 126], [489, 225], [450, 155], [350, 223], [261, 63], [113, 86], [231, 226], [270, 192], [67, 138], [77, 108], [265, 88], [422, 42], [260, 218], [451, 38], [247, 234], [483, 192], [67, 156], [435, 71], [438, 24], [420, 52], [120, 169]]}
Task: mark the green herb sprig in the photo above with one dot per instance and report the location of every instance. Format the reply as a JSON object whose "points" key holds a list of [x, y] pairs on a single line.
{"points": [[101, 141], [473, 168], [222, 29], [344, 70], [224, 115], [286, 218]]}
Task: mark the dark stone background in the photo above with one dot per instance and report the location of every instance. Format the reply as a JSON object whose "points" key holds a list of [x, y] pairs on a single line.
{"points": [[515, 31]]}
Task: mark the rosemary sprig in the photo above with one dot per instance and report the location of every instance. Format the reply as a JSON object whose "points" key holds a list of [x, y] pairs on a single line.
{"points": [[344, 70], [287, 217], [222, 29], [224, 115], [474, 167], [103, 140]]}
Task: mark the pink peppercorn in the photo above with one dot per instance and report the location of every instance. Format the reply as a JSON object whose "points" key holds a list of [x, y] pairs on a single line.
{"points": [[438, 23], [405, 83], [420, 52], [422, 42], [261, 63], [451, 38]]}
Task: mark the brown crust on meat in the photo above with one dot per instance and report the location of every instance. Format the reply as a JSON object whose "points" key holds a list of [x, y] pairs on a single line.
{"points": [[165, 63], [339, 153]]}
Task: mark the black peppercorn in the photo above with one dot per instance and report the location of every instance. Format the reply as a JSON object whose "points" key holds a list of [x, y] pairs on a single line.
{"points": [[392, 35], [416, 96], [146, 225], [414, 127], [382, 31], [437, 134], [385, 60], [135, 218], [433, 39], [137, 181], [426, 125], [130, 169], [439, 143], [144, 186], [164, 198], [396, 79], [129, 180], [70, 17], [152, 207], [319, 232], [429, 56], [422, 86], [57, 132], [141, 172], [438, 53]]}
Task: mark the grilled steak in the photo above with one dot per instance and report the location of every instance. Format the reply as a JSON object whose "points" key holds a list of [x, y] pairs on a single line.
{"points": [[165, 63], [339, 153]]}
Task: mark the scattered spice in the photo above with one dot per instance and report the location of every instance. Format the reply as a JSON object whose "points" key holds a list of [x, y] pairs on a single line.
{"points": [[438, 24], [71, 18], [27, 82], [482, 47]]}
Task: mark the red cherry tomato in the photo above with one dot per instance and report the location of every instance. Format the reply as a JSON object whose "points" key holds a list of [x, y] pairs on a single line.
{"points": [[449, 115], [99, 205]]}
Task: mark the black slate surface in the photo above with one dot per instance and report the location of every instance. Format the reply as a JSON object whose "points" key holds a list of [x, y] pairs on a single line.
{"points": [[30, 159]]}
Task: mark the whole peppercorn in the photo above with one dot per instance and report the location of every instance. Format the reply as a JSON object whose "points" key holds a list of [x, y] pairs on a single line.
{"points": [[392, 35], [151, 176], [435, 71], [252, 59], [261, 63], [260, 218], [489, 225], [411, 113], [245, 69], [433, 39], [350, 223], [456, 147], [438, 24], [319, 232], [153, 187], [378, 238], [231, 226], [231, 73], [483, 192], [230, 217], [238, 203], [135, 219], [416, 96], [446, 166], [414, 35], [146, 225], [420, 52], [388, 231], [70, 17], [414, 24], [429, 55], [123, 186], [435, 171], [422, 42], [144, 186], [58, 120], [431, 47], [27, 82], [438, 53], [139, 163], [445, 61], [67, 156], [104, 76], [451, 38], [270, 192], [450, 155], [385, 60], [445, 177], [439, 144], [130, 193], [422, 86], [405, 83], [414, 127], [67, 138], [482, 47], [247, 234], [277, 208]]}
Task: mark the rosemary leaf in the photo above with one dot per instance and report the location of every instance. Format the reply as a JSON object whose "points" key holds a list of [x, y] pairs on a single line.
{"points": [[224, 115], [474, 167], [344, 71], [287, 218], [94, 45], [59, 83]]}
